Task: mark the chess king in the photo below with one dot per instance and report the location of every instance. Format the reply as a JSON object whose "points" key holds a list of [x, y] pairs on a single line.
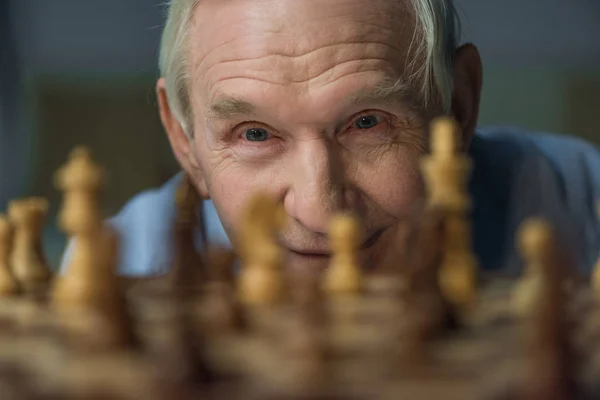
{"points": [[325, 105]]}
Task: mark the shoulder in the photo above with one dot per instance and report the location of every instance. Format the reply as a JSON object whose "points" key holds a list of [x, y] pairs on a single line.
{"points": [[150, 208], [544, 174], [562, 151], [144, 227], [572, 162]]}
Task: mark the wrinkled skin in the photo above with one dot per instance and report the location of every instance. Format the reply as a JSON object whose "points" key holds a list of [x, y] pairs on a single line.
{"points": [[282, 93]]}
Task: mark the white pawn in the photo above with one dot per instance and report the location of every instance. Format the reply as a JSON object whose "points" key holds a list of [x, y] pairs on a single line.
{"points": [[344, 275], [8, 284], [457, 275], [261, 279], [535, 238], [446, 171], [27, 259]]}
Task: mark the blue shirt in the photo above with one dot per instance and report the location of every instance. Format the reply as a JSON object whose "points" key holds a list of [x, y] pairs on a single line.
{"points": [[516, 175]]}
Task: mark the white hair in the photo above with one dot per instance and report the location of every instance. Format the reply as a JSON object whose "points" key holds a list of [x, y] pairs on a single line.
{"points": [[436, 36]]}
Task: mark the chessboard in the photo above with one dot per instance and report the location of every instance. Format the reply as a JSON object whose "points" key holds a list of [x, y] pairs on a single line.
{"points": [[236, 324]]}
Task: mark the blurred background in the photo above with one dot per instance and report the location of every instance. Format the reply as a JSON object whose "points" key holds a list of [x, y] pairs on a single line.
{"points": [[82, 72]]}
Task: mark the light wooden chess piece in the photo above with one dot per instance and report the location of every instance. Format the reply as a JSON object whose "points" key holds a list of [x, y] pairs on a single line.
{"points": [[548, 370], [220, 309], [535, 243], [28, 262], [457, 273], [344, 275], [8, 284], [422, 295], [87, 295], [305, 348], [446, 172], [261, 278], [187, 271], [80, 218]]}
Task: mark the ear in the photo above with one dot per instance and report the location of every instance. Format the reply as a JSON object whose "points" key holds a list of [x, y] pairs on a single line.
{"points": [[467, 90], [180, 142]]}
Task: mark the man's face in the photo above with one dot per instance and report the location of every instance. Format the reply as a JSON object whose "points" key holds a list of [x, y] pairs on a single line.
{"points": [[296, 98]]}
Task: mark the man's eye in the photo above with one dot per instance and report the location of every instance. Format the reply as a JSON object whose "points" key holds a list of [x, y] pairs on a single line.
{"points": [[256, 135], [366, 122]]}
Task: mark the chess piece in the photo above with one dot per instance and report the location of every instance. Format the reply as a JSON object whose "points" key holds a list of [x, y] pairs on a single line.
{"points": [[87, 295], [535, 243], [261, 278], [80, 180], [425, 313], [344, 275], [548, 371], [168, 330], [412, 349], [446, 173], [221, 311], [182, 353], [304, 343], [221, 261], [422, 265], [28, 262], [457, 273], [187, 271], [8, 284]]}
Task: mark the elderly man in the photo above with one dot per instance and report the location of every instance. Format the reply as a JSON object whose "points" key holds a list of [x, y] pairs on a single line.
{"points": [[325, 105]]}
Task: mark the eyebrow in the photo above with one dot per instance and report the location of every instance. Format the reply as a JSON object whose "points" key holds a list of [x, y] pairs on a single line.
{"points": [[387, 92], [229, 107]]}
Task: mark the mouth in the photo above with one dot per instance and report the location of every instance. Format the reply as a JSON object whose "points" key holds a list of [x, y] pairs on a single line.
{"points": [[322, 254]]}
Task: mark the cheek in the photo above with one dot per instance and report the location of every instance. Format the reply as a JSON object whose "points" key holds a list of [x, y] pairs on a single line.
{"points": [[394, 183], [231, 185], [230, 189]]}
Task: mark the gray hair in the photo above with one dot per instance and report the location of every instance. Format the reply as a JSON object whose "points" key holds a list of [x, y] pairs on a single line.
{"points": [[436, 36]]}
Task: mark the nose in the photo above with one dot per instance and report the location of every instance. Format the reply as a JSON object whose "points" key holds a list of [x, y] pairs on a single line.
{"points": [[316, 189]]}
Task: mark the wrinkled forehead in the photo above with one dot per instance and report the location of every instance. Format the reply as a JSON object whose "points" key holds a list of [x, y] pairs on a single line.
{"points": [[224, 30]]}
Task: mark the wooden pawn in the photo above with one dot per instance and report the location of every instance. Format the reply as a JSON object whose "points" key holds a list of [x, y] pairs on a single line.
{"points": [[261, 279], [8, 283], [344, 275], [29, 264]]}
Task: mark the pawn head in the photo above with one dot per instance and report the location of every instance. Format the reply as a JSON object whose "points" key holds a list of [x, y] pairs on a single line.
{"points": [[536, 238], [344, 231], [444, 136]]}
